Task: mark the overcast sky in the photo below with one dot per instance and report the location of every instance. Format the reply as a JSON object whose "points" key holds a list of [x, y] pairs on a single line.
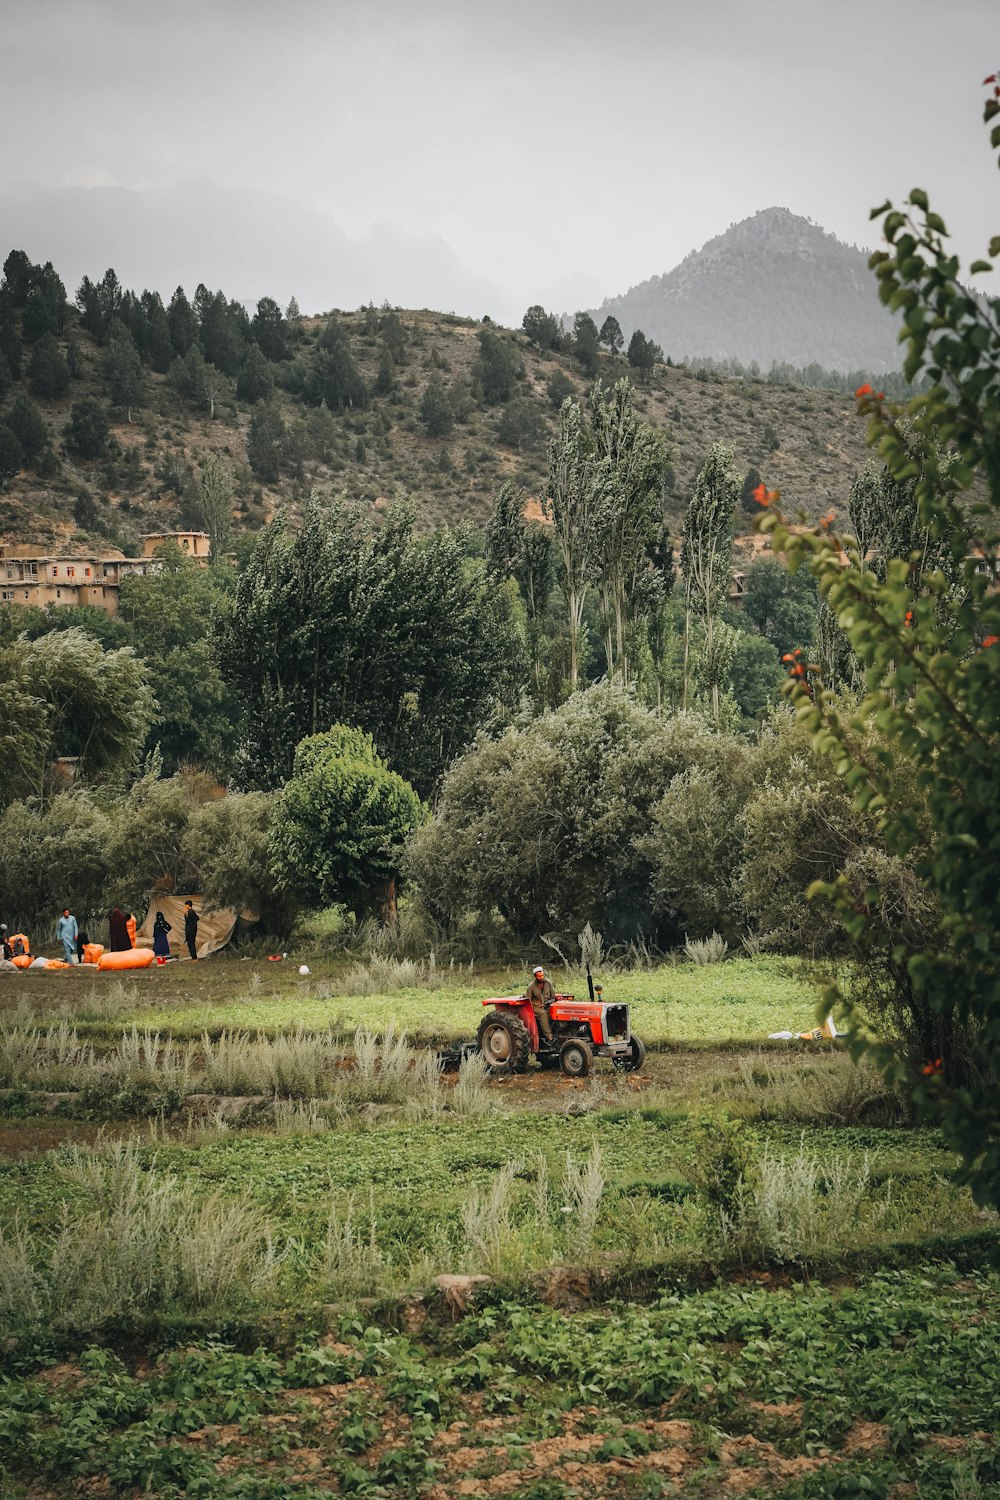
{"points": [[471, 155]]}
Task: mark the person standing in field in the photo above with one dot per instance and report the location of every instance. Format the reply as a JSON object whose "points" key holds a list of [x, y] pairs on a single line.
{"points": [[191, 928], [66, 932], [161, 942], [119, 932]]}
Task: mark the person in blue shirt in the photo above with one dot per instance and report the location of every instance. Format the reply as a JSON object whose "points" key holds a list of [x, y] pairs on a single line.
{"points": [[66, 932]]}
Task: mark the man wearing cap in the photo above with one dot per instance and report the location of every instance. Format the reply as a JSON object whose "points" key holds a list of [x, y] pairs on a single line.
{"points": [[540, 996]]}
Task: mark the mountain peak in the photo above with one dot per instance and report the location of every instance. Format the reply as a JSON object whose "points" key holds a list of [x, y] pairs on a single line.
{"points": [[773, 287]]}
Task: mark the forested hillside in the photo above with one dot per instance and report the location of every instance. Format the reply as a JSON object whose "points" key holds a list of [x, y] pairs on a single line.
{"points": [[111, 403], [773, 287]]}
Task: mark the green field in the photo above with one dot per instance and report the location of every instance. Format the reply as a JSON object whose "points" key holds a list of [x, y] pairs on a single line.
{"points": [[225, 1222], [741, 1000]]}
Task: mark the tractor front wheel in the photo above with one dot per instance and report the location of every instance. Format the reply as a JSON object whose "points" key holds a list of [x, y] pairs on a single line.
{"points": [[632, 1060], [504, 1043], [575, 1057]]}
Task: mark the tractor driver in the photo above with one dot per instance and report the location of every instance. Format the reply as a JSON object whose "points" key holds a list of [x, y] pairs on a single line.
{"points": [[540, 996]]}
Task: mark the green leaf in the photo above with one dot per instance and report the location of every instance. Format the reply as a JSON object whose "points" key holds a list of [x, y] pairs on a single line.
{"points": [[978, 267]]}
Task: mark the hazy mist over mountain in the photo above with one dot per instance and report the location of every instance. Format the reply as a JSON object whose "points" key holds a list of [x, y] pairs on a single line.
{"points": [[469, 156], [254, 244]]}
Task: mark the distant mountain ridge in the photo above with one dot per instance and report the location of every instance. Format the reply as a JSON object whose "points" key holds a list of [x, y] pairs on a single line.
{"points": [[775, 286]]}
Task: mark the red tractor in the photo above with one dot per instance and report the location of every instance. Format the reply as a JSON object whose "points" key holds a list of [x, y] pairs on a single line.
{"points": [[581, 1029]]}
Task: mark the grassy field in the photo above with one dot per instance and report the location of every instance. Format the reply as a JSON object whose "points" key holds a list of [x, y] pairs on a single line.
{"points": [[741, 1000], [278, 1260]]}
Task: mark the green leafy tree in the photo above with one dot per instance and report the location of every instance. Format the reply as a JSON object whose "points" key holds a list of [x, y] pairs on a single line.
{"points": [[48, 372], [156, 346], [755, 676], [630, 512], [781, 605], [96, 705], [211, 495], [542, 328], [931, 655], [181, 323], [100, 303], [335, 623], [222, 330], [558, 387], [172, 616], [332, 376], [28, 426], [544, 824], [521, 424], [11, 454], [18, 275], [497, 368], [522, 551], [53, 853], [643, 354], [706, 558], [227, 845], [435, 408], [206, 384], [256, 382], [573, 502], [341, 824], [586, 342], [269, 330], [10, 339], [123, 372], [390, 326], [88, 428], [611, 336], [265, 442]]}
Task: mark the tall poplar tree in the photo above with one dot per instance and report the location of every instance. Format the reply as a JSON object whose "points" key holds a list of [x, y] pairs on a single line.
{"points": [[630, 512], [706, 557], [573, 502]]}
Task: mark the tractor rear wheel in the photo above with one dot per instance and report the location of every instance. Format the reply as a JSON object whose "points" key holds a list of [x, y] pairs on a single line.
{"points": [[504, 1043], [575, 1057], [632, 1060]]}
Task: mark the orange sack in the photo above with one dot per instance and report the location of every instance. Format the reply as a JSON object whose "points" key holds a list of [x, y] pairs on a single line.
{"points": [[22, 960], [130, 928], [131, 958], [92, 952]]}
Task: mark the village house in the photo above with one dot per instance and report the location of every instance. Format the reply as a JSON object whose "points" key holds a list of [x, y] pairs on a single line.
{"points": [[29, 576]]}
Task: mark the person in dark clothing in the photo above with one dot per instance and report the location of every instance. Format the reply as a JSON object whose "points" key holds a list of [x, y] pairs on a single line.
{"points": [[161, 943], [191, 928], [81, 939], [120, 940]]}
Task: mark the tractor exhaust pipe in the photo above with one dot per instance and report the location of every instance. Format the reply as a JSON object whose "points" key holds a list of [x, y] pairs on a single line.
{"points": [[590, 982]]}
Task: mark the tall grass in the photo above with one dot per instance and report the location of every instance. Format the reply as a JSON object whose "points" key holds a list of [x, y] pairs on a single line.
{"points": [[147, 1242], [800, 1203], [710, 950]]}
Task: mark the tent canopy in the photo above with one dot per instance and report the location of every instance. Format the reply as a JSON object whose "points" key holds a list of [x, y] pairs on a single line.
{"points": [[215, 927]]}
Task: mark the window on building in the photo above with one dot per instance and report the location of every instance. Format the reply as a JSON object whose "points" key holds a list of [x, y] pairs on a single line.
{"points": [[70, 572], [87, 572], [6, 594], [58, 593]]}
